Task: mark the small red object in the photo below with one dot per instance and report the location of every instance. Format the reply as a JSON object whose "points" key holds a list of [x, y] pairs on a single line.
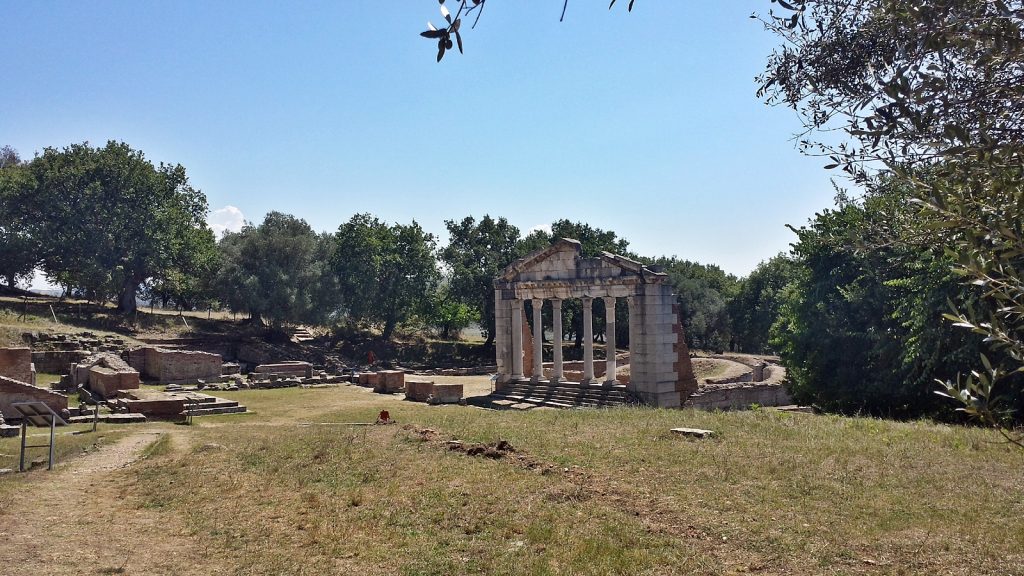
{"points": [[384, 417], [371, 358]]}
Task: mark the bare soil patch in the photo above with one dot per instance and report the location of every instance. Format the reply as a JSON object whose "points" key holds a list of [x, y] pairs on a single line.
{"points": [[75, 520]]}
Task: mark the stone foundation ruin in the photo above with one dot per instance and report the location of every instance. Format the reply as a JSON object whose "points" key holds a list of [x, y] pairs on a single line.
{"points": [[104, 374], [175, 366]]}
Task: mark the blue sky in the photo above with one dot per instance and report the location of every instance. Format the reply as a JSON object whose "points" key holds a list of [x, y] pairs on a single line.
{"points": [[645, 123]]}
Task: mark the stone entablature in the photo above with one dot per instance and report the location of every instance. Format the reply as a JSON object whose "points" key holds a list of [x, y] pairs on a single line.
{"points": [[661, 374]]}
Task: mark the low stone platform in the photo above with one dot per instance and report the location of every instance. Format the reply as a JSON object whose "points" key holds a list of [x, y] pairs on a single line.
{"points": [[114, 418], [172, 405]]}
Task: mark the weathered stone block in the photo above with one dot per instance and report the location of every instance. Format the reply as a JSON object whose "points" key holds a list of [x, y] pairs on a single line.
{"points": [[390, 381], [445, 394], [106, 381], [368, 379], [418, 390]]}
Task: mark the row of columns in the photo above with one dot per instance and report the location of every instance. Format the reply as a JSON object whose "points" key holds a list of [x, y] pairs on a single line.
{"points": [[538, 340]]}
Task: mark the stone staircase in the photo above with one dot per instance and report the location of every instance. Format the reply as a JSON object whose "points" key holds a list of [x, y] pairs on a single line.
{"points": [[529, 395], [301, 335], [204, 405]]}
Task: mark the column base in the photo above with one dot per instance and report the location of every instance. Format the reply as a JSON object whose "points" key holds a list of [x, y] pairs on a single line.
{"points": [[610, 383], [589, 382]]}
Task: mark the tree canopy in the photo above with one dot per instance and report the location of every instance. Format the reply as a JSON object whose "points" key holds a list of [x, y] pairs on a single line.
{"points": [[386, 274], [932, 93], [106, 219], [276, 271], [476, 253], [19, 249]]}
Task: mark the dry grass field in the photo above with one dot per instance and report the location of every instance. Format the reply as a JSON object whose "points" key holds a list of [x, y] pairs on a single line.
{"points": [[296, 487]]}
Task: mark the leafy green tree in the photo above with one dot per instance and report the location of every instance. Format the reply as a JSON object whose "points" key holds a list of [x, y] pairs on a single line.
{"points": [[933, 91], [757, 303], [107, 219], [857, 327], [189, 281], [275, 271], [386, 274], [703, 292], [448, 315], [476, 253], [9, 157], [18, 248]]}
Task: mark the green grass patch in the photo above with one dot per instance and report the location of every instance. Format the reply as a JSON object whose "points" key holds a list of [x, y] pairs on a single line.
{"points": [[617, 492]]}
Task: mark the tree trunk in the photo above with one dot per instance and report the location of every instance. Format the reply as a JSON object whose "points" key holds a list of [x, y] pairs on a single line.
{"points": [[126, 302], [389, 328]]}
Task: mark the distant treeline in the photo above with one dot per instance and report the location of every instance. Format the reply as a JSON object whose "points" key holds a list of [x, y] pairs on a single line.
{"points": [[855, 318]]}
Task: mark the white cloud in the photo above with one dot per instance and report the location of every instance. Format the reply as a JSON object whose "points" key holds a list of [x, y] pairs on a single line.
{"points": [[545, 228], [228, 218]]}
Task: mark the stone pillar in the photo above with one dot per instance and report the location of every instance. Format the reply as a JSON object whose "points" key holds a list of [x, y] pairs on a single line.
{"points": [[517, 339], [502, 338], [538, 340], [634, 336], [609, 340], [588, 340], [655, 355], [556, 320]]}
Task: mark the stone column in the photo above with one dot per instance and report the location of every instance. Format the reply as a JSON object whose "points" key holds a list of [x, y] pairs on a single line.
{"points": [[517, 339], [588, 340], [556, 320], [538, 340], [634, 337], [609, 340]]}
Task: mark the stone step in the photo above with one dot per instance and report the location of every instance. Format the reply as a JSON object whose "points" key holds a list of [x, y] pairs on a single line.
{"points": [[565, 395], [212, 411], [130, 418], [563, 403], [524, 402], [563, 387]]}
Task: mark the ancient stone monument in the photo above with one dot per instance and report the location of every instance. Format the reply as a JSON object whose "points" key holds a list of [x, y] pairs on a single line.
{"points": [[661, 373]]}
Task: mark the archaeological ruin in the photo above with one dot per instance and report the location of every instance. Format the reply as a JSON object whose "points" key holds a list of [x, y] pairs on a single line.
{"points": [[660, 369]]}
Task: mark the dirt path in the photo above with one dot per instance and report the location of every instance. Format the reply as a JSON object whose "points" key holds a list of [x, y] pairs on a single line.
{"points": [[78, 520]]}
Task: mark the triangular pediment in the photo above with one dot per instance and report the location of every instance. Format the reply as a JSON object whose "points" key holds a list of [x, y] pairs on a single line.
{"points": [[563, 260]]}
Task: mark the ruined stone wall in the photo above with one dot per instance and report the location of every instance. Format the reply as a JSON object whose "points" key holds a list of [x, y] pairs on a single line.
{"points": [[12, 391], [686, 380], [175, 366], [16, 364], [57, 361], [741, 396]]}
